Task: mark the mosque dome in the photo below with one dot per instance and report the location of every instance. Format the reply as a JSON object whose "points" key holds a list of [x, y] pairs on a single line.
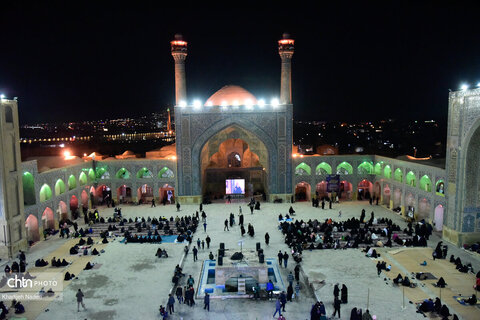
{"points": [[231, 95]]}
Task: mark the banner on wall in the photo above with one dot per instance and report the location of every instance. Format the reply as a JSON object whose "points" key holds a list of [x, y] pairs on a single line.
{"points": [[333, 183]]}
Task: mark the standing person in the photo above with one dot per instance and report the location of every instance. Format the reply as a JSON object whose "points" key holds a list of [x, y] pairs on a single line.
{"points": [[290, 278], [201, 207], [190, 281], [251, 208], [239, 210], [285, 258], [278, 308], [79, 296], [232, 219], [170, 303], [297, 272], [283, 300], [379, 268], [226, 225], [240, 219], [207, 240], [267, 238], [205, 226], [206, 302], [289, 293], [339, 213], [198, 243], [336, 291], [280, 257], [242, 230], [195, 252], [179, 294], [203, 245], [178, 206], [330, 204], [323, 204], [204, 216], [336, 307], [153, 203], [344, 294], [270, 288]]}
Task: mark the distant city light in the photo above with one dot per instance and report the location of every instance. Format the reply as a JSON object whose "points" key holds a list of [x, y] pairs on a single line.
{"points": [[183, 104], [261, 103], [275, 102], [197, 104], [62, 145], [464, 87]]}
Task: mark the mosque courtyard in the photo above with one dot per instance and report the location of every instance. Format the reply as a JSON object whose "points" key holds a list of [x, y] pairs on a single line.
{"points": [[130, 282]]}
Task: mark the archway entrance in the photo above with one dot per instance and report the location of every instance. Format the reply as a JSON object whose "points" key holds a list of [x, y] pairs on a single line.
{"points": [[145, 194], [397, 198], [322, 189], [386, 195], [31, 226], [345, 191], [365, 189], [423, 209], [410, 205], [167, 194], [62, 211], [439, 218], [124, 194], [84, 198], [103, 194], [235, 158], [303, 191], [74, 207], [48, 220], [377, 189]]}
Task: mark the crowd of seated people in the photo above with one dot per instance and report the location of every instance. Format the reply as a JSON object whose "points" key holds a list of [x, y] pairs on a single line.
{"points": [[330, 234], [161, 253], [428, 305], [9, 273], [475, 247], [464, 268], [57, 263]]}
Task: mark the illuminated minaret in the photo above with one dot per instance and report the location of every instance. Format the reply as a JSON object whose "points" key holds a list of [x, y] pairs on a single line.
{"points": [[169, 123], [179, 53], [286, 49]]}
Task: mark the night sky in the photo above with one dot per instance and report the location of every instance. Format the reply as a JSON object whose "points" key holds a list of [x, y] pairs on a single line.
{"points": [[354, 60]]}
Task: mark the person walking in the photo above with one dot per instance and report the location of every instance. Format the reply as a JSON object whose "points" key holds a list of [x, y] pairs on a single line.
{"points": [[205, 226], [240, 219], [336, 307], [79, 296], [239, 210], [206, 302], [283, 300], [179, 294], [285, 258], [267, 238], [278, 308], [297, 272], [297, 289], [226, 225], [290, 278], [190, 281], [198, 243], [203, 245], [195, 252], [153, 203], [170, 303], [207, 240], [242, 230], [280, 257]]}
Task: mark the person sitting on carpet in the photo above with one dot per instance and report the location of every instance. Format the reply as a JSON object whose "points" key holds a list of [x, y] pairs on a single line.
{"points": [[74, 250], [81, 242], [471, 301], [426, 306], [94, 252], [406, 282], [441, 283], [445, 312], [89, 266], [19, 308], [398, 279], [53, 262], [437, 306], [89, 241], [64, 263], [105, 240]]}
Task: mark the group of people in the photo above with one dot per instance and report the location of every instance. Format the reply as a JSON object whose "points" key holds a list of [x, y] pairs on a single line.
{"points": [[464, 268], [428, 305]]}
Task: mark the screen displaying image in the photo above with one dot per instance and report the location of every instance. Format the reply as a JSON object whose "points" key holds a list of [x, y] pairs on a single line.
{"points": [[235, 186]]}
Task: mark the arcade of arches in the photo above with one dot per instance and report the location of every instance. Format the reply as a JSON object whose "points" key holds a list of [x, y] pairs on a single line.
{"points": [[233, 153]]}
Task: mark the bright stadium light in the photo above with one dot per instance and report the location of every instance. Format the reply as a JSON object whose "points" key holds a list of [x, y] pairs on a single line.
{"points": [[197, 104], [261, 103], [183, 104], [275, 102], [464, 87]]}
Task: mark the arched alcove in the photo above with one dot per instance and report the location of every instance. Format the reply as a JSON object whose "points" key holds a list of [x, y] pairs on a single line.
{"points": [[323, 168], [28, 188]]}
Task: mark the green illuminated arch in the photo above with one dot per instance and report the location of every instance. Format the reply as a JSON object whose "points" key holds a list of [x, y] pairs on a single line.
{"points": [[303, 169], [102, 173], [45, 193], [425, 183], [28, 188], [344, 168], [365, 168], [166, 173], [323, 169], [82, 179], [144, 173], [72, 182], [59, 187], [398, 175], [123, 174], [410, 179], [91, 175], [387, 172], [378, 168]]}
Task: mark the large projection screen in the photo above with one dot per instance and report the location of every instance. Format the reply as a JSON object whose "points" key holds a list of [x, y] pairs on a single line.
{"points": [[235, 186]]}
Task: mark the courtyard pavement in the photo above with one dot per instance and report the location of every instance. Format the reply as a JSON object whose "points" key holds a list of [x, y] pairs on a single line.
{"points": [[132, 283]]}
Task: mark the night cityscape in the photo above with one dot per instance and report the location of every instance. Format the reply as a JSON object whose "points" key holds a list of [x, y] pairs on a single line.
{"points": [[251, 160]]}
